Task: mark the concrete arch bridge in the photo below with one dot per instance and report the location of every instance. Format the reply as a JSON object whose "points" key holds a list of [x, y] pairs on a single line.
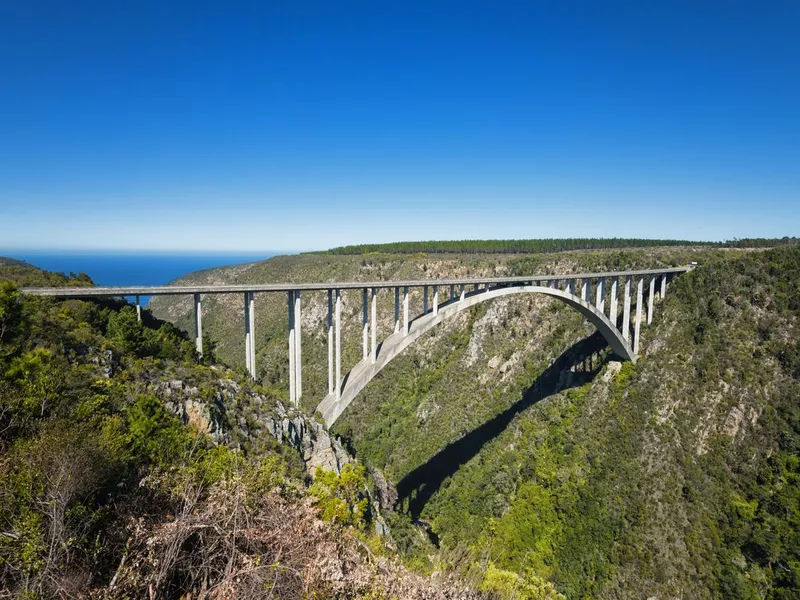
{"points": [[596, 296]]}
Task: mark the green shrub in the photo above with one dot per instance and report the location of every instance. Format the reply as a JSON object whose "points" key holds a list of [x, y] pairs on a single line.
{"points": [[510, 586], [154, 434], [341, 498]]}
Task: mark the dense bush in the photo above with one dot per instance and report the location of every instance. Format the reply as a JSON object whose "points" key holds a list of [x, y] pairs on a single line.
{"points": [[510, 246]]}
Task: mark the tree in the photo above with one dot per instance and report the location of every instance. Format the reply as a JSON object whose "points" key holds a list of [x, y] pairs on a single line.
{"points": [[12, 319], [125, 329]]}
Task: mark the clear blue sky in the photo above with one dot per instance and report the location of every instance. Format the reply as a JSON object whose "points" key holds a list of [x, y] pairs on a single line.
{"points": [[298, 125]]}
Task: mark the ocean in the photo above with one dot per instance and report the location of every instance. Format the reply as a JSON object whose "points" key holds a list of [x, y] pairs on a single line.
{"points": [[131, 268]]}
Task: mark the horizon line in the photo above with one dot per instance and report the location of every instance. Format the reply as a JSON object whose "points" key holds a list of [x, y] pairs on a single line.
{"points": [[39, 250], [286, 251]]}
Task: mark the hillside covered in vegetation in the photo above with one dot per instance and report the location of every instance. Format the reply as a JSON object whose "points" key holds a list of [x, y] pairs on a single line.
{"points": [[537, 246], [521, 447], [533, 246], [128, 469]]}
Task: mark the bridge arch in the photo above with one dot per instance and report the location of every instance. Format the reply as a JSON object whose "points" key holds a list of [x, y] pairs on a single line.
{"points": [[360, 375]]}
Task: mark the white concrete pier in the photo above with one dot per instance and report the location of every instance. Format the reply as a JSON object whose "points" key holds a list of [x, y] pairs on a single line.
{"points": [[365, 333], [600, 296], [374, 325], [198, 325], [626, 311], [338, 342], [638, 325], [330, 342], [298, 347], [612, 305]]}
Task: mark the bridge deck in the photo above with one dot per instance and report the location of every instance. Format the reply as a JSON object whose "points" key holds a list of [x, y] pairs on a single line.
{"points": [[165, 290]]}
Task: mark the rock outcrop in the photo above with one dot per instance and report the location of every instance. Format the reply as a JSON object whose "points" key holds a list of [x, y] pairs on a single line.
{"points": [[217, 410]]}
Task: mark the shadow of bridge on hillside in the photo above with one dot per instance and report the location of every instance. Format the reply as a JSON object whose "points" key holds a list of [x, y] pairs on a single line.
{"points": [[416, 488]]}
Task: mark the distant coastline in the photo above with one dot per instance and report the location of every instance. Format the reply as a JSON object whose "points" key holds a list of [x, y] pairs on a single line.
{"points": [[133, 267]]}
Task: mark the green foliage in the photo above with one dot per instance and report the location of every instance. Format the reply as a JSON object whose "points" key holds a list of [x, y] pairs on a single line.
{"points": [[131, 335], [48, 490], [536, 246], [269, 473], [524, 535], [35, 379], [154, 434], [23, 274], [508, 585], [127, 332], [23, 543], [509, 246], [341, 498], [77, 436], [762, 530], [11, 318], [762, 242]]}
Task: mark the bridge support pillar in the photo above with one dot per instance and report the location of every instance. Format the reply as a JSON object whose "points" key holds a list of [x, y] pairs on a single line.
{"points": [[249, 341], [338, 344], [330, 341], [435, 300], [463, 291], [298, 347], [452, 292], [396, 309], [246, 332], [600, 295], [424, 299], [571, 286], [292, 354], [585, 290], [198, 324], [612, 305], [253, 333], [626, 311], [374, 324], [365, 323], [138, 310], [650, 299], [405, 310], [639, 300], [663, 285]]}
